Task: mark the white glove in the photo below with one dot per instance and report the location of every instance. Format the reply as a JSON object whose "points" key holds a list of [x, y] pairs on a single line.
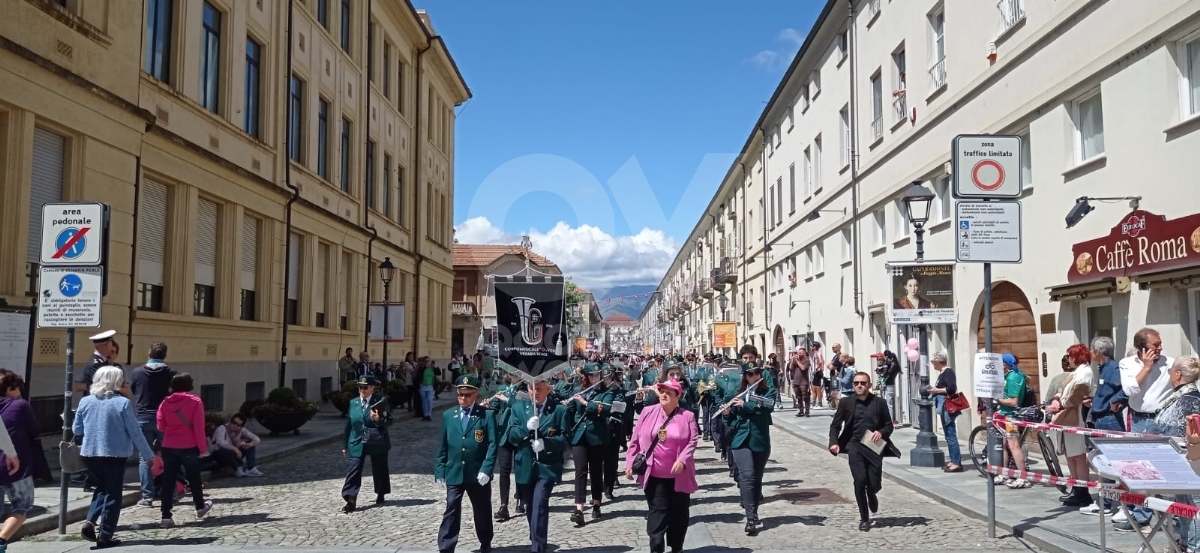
{"points": [[538, 445], [483, 479], [534, 423], [439, 482]]}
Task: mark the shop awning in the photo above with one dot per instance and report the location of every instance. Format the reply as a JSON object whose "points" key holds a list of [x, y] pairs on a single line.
{"points": [[1101, 287], [1161, 279]]}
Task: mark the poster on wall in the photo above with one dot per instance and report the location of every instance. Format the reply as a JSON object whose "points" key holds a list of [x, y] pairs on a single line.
{"points": [[530, 326], [922, 294], [724, 335]]}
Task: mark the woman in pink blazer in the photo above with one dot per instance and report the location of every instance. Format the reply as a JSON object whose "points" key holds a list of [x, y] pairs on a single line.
{"points": [[666, 435]]}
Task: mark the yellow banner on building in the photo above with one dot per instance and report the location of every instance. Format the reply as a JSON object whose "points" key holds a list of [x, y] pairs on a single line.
{"points": [[580, 343], [648, 350], [724, 335]]}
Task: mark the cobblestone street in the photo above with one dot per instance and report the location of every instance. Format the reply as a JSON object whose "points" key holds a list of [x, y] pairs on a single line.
{"points": [[808, 507]]}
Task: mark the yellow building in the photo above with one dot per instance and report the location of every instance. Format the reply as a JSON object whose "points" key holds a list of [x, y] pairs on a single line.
{"points": [[195, 124]]}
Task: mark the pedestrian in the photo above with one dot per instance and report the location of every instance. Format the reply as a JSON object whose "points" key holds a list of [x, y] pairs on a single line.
{"points": [[888, 371], [366, 435], [110, 432], [1146, 381], [235, 446], [664, 439], [500, 404], [347, 366], [1069, 411], [845, 383], [1015, 388], [861, 422], [104, 354], [798, 370], [181, 419], [945, 392], [18, 441], [428, 380], [1107, 404], [587, 411], [463, 464], [749, 419], [151, 383], [536, 430]]}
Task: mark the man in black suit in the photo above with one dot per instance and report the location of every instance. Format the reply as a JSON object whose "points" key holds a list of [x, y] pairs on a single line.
{"points": [[859, 419]]}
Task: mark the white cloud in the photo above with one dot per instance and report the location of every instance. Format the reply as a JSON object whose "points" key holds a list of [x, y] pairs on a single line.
{"points": [[775, 59], [593, 258]]}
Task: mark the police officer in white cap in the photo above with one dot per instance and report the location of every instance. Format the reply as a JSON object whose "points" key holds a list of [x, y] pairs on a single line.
{"points": [[104, 355]]}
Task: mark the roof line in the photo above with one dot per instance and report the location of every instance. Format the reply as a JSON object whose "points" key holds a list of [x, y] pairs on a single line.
{"points": [[430, 38]]}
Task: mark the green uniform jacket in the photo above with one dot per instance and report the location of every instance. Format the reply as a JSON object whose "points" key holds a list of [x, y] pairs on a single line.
{"points": [[463, 454], [649, 377], [501, 413], [547, 465], [689, 400], [357, 418], [703, 373], [590, 422], [750, 425], [727, 385]]}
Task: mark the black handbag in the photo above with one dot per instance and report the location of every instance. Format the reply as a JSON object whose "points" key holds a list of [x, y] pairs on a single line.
{"points": [[639, 461]]}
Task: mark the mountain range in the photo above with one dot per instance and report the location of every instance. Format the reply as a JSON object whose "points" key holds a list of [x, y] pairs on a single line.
{"points": [[630, 300]]}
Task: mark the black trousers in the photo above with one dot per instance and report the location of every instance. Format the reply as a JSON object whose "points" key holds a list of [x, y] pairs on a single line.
{"points": [[536, 496], [707, 420], [481, 507], [589, 462], [668, 520], [612, 457], [866, 467], [750, 467], [173, 460], [802, 397], [504, 463], [379, 474]]}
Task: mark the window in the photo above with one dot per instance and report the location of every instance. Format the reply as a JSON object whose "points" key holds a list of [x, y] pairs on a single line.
{"points": [[46, 182], [847, 246], [387, 189], [779, 203], [942, 208], [848, 340], [152, 245], [1098, 316], [790, 117], [1190, 58], [213, 397], [792, 186], [256, 390], [295, 243], [804, 98], [345, 35], [876, 106], [843, 46], [205, 266], [318, 292], [1026, 160], [344, 290], [1194, 302], [808, 187], [387, 70], [249, 273], [323, 13], [323, 138], [819, 259], [300, 386], [400, 87], [253, 88], [344, 175], [1089, 126], [296, 120], [210, 59], [814, 80], [937, 50], [900, 81], [844, 119], [808, 264], [880, 229], [1011, 13], [159, 25], [771, 195], [902, 226], [816, 164], [401, 188], [370, 168]]}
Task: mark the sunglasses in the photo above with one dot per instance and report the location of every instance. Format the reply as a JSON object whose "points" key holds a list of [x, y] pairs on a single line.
{"points": [[860, 383]]}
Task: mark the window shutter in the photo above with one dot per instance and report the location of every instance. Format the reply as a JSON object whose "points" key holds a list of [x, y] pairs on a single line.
{"points": [[249, 252], [343, 284], [152, 232], [296, 243], [319, 278], [206, 242], [46, 185]]}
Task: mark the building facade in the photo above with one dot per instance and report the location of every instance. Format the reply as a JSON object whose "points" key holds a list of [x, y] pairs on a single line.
{"points": [[259, 166], [809, 229], [474, 301]]}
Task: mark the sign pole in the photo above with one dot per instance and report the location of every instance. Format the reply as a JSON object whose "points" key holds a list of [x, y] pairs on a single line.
{"points": [[64, 477], [994, 455]]}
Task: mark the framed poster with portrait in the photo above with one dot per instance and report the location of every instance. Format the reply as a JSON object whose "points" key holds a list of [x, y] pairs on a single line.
{"points": [[922, 294]]}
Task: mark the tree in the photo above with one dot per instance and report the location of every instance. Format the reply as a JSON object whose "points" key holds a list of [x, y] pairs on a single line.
{"points": [[574, 304]]}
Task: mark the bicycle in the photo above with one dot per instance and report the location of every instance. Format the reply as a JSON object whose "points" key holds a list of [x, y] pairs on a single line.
{"points": [[977, 445]]}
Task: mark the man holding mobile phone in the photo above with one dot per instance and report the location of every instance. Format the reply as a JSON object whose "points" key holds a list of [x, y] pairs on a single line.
{"points": [[1146, 381]]}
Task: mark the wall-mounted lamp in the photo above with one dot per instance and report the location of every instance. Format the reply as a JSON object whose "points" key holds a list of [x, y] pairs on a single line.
{"points": [[816, 214], [1082, 207]]}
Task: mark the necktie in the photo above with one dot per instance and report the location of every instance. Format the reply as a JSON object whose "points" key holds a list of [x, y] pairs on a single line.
{"points": [[466, 418]]}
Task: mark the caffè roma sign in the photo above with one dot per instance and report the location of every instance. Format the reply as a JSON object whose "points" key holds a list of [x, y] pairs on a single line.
{"points": [[1141, 243]]}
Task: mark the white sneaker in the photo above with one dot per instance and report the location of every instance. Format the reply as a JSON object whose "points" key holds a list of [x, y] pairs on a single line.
{"points": [[1120, 517], [1000, 480], [1019, 484], [254, 472], [1094, 509], [239, 473]]}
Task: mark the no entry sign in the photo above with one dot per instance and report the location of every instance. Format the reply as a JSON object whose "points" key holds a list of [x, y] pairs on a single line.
{"points": [[987, 166]]}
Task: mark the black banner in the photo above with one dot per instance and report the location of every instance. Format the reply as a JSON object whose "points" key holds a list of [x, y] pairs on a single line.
{"points": [[530, 327]]}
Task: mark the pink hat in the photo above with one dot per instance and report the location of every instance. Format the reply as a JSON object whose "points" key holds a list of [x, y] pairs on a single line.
{"points": [[673, 385]]}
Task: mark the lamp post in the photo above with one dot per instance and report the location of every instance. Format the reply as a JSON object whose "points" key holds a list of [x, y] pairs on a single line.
{"points": [[386, 272], [917, 201], [682, 336]]}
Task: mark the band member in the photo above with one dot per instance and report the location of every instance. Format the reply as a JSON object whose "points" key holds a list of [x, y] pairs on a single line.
{"points": [[588, 410], [749, 354], [366, 435], [863, 416], [536, 430], [749, 416], [616, 429], [499, 404], [728, 379], [463, 464], [704, 381]]}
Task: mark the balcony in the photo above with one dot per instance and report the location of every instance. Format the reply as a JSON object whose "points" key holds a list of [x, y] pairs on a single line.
{"points": [[899, 106], [877, 127], [698, 292], [1011, 13], [462, 309], [727, 273], [717, 279], [937, 74], [872, 9], [706, 288]]}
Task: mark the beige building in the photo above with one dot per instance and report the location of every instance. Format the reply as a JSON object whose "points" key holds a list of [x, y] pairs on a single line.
{"points": [[210, 126], [474, 300], [808, 224]]}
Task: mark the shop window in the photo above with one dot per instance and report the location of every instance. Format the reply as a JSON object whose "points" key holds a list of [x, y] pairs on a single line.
{"points": [[1098, 320], [213, 397], [1194, 332]]}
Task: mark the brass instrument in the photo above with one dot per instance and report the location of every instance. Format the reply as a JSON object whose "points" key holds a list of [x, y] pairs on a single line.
{"points": [[706, 386]]}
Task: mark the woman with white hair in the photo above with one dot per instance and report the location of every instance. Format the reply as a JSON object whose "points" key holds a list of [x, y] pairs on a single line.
{"points": [[944, 390], [110, 431]]}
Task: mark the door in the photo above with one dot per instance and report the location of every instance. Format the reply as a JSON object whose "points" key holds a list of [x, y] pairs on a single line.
{"points": [[456, 340], [1014, 330]]}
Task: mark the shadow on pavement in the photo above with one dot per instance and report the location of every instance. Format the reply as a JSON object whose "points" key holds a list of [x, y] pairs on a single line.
{"points": [[900, 522], [719, 549], [171, 541], [785, 483], [775, 522], [727, 518]]}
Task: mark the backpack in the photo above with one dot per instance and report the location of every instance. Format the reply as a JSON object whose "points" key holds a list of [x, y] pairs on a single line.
{"points": [[1029, 398]]}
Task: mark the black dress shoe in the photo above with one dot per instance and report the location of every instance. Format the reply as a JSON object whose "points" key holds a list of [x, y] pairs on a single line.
{"points": [[379, 499], [864, 526], [577, 517], [751, 528], [520, 508], [105, 543], [595, 512], [88, 531], [502, 513], [350, 504], [873, 503]]}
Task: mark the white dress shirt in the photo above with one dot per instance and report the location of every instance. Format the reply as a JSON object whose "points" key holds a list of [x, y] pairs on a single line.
{"points": [[1149, 396]]}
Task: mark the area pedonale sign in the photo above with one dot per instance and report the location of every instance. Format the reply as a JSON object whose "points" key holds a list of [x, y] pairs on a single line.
{"points": [[1141, 243]]}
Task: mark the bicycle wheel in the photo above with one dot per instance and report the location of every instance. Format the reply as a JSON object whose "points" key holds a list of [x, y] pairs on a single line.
{"points": [[1050, 456], [977, 448]]}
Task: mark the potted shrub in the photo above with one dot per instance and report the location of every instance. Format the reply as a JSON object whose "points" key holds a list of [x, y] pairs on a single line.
{"points": [[341, 398], [212, 420], [284, 412], [397, 392]]}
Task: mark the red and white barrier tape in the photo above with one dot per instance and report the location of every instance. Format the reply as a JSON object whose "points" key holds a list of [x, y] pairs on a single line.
{"points": [[1000, 420], [1104, 490], [1043, 478]]}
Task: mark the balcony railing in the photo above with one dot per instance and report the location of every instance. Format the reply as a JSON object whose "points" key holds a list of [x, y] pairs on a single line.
{"points": [[1011, 13], [899, 106], [937, 74], [872, 9], [717, 277], [706, 288], [877, 127], [462, 309], [727, 272]]}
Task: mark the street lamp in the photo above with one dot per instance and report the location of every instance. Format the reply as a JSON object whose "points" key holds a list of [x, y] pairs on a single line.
{"points": [[723, 302], [682, 336], [386, 272], [917, 201]]}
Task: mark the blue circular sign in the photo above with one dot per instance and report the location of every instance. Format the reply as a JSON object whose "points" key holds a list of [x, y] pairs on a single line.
{"points": [[70, 285], [70, 246]]}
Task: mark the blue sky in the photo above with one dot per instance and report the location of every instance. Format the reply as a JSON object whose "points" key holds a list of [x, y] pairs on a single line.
{"points": [[590, 119]]}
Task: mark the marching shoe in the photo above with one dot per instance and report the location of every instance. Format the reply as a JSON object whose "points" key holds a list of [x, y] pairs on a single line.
{"points": [[577, 517], [502, 513], [595, 512]]}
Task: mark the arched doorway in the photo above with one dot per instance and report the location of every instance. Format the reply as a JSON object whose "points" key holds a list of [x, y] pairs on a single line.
{"points": [[780, 346], [1014, 330]]}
